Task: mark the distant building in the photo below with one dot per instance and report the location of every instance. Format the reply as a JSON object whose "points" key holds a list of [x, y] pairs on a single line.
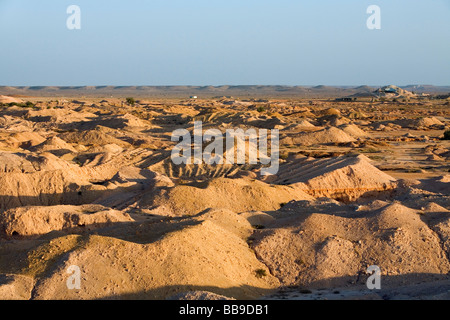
{"points": [[193, 97], [346, 99]]}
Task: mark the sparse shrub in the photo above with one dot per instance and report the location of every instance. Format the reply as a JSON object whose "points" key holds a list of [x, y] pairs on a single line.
{"points": [[29, 104], [131, 101], [261, 109], [260, 273]]}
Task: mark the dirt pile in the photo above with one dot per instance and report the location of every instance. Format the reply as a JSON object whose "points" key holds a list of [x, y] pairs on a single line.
{"points": [[92, 138], [15, 287], [7, 99], [33, 221], [317, 246], [207, 254], [92, 185], [27, 180], [420, 123], [325, 136], [15, 124], [238, 195], [54, 145], [343, 178]]}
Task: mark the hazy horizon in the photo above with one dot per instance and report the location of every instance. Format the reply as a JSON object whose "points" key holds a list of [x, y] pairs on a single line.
{"points": [[204, 43]]}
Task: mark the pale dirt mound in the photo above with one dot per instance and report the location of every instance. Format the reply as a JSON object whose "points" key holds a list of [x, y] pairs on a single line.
{"points": [[124, 121], [128, 185], [238, 195], [58, 115], [15, 287], [92, 138], [21, 140], [354, 131], [326, 136], [15, 124], [202, 256], [53, 144], [305, 124], [33, 221], [428, 122], [130, 120], [336, 121], [420, 123], [7, 99], [302, 125], [434, 207], [45, 180], [344, 178], [144, 176], [30, 163], [334, 248]]}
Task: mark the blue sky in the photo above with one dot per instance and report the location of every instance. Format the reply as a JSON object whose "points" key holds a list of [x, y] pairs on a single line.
{"points": [[224, 42]]}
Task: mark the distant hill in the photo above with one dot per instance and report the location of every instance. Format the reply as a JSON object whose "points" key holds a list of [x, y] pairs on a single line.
{"points": [[246, 91]]}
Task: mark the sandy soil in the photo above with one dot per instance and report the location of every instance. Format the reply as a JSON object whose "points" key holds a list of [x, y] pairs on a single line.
{"points": [[90, 183]]}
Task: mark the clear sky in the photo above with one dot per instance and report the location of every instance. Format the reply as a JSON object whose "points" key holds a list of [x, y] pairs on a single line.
{"points": [[224, 42]]}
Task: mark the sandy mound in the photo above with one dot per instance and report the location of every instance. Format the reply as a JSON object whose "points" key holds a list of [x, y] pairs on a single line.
{"points": [[15, 124], [53, 144], [335, 247], [6, 99], [111, 121], [32, 221], [29, 180], [420, 123], [302, 125], [15, 287], [326, 136], [58, 117], [210, 258], [354, 131], [92, 138], [30, 163], [238, 195], [93, 185], [344, 178], [21, 140]]}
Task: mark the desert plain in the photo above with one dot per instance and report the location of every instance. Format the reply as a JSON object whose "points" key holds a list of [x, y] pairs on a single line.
{"points": [[88, 181]]}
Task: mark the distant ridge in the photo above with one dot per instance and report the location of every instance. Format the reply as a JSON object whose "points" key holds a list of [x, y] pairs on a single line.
{"points": [[320, 91]]}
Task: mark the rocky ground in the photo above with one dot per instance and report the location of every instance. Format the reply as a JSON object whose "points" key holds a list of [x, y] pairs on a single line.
{"points": [[90, 183]]}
